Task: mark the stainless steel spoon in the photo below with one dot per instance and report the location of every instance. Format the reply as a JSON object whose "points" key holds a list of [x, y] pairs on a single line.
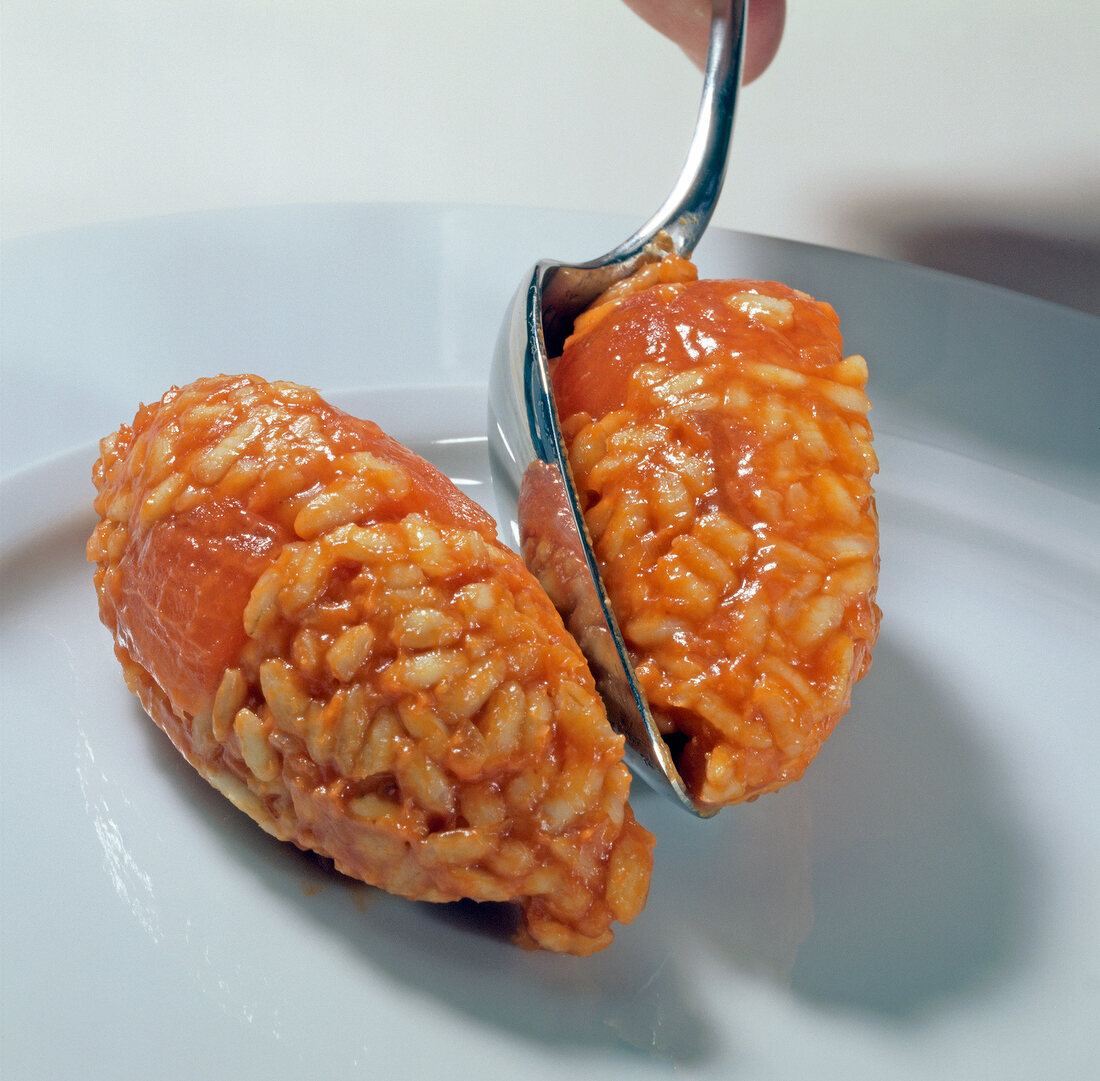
{"points": [[526, 448]]}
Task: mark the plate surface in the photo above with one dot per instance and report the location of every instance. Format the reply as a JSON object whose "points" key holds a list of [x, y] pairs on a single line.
{"points": [[922, 904]]}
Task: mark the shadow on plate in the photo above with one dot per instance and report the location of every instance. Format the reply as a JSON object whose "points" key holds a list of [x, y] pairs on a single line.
{"points": [[1045, 246], [920, 878], [1061, 269], [888, 881]]}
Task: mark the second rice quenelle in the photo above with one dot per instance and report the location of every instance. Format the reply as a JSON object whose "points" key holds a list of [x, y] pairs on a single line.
{"points": [[719, 444]]}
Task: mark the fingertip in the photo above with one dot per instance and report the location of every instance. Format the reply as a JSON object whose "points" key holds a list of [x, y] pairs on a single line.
{"points": [[763, 36], [687, 23]]}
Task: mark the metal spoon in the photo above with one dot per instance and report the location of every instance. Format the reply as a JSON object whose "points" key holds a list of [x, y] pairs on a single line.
{"points": [[527, 452]]}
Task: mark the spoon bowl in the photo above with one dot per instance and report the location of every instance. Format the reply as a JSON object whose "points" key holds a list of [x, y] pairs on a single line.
{"points": [[529, 461]]}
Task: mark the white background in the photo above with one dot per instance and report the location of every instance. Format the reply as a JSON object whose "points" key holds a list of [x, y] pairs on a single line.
{"points": [[959, 135]]}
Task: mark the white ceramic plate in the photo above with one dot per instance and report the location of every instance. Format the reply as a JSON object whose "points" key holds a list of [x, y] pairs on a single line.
{"points": [[922, 904]]}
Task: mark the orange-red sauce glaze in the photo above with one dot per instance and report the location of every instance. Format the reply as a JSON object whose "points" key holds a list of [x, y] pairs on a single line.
{"points": [[185, 583]]}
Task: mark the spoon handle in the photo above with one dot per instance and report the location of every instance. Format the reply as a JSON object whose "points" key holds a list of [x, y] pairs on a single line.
{"points": [[686, 212]]}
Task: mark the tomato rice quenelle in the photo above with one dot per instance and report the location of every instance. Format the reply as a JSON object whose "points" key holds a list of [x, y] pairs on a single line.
{"points": [[331, 634], [719, 442]]}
